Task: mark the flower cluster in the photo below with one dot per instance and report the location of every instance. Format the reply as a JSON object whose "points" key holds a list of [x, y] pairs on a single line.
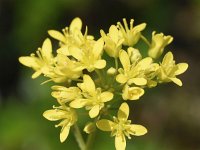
{"points": [[101, 74]]}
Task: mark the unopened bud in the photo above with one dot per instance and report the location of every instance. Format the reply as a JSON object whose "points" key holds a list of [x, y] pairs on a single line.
{"points": [[111, 71], [89, 128], [134, 55]]}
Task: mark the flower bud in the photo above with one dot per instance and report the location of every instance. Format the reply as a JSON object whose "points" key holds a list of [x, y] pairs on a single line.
{"points": [[159, 41], [134, 55], [132, 93], [111, 71], [89, 128]]}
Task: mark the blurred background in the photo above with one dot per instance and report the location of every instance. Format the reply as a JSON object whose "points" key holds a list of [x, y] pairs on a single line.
{"points": [[171, 114]]}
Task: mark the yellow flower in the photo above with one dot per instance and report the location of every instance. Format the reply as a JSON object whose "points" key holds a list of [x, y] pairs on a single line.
{"points": [[67, 116], [65, 69], [133, 73], [131, 35], [159, 41], [134, 55], [71, 36], [132, 93], [41, 64], [90, 57], [169, 70], [121, 127], [93, 99], [63, 94], [113, 41]]}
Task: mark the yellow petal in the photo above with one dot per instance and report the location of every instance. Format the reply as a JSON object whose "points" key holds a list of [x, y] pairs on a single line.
{"points": [[58, 88], [76, 24], [176, 81], [36, 74], [53, 114], [124, 59], [47, 49], [144, 63], [78, 103], [98, 48], [76, 53], [120, 142], [140, 27], [182, 67], [94, 111], [29, 61], [123, 112], [114, 33], [104, 125], [63, 50], [138, 130], [64, 133], [106, 96], [57, 35], [88, 83], [100, 64], [121, 78], [137, 81], [168, 58]]}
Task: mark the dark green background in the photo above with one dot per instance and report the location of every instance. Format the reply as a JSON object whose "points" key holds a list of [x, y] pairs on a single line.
{"points": [[171, 114]]}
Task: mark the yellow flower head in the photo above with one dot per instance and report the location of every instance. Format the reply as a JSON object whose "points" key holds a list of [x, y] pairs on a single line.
{"points": [[63, 94], [169, 70], [133, 73], [67, 116], [159, 41], [131, 35], [113, 41], [93, 99], [132, 93], [121, 127], [41, 64]]}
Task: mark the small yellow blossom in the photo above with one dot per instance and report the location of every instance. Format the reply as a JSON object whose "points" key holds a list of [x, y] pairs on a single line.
{"points": [[71, 36], [67, 116], [90, 58], [69, 32], [121, 127], [41, 64], [93, 99], [64, 94], [133, 73], [132, 93], [113, 41], [131, 35], [159, 41], [169, 70], [65, 69]]}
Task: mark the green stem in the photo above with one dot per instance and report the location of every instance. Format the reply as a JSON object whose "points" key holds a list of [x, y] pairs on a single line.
{"points": [[90, 140], [79, 137], [102, 82], [145, 40], [116, 64]]}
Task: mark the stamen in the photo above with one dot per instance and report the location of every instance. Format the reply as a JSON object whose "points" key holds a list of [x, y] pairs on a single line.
{"points": [[131, 24], [125, 25]]}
